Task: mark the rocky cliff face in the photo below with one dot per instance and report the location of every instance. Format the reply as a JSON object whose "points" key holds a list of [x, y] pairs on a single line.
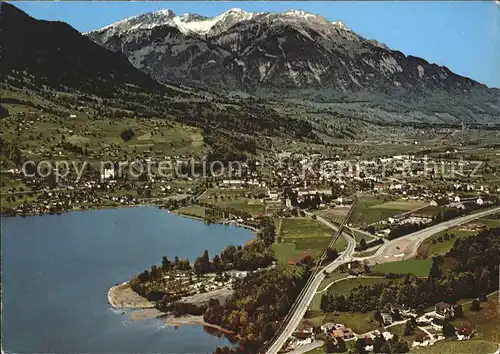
{"points": [[294, 55]]}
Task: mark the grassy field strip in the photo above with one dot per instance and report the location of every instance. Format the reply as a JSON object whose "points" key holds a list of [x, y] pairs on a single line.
{"points": [[331, 277], [401, 212], [244, 199], [358, 281], [410, 206], [417, 267], [333, 282], [369, 253], [343, 285], [455, 347], [279, 225], [301, 236], [284, 252], [192, 210], [360, 234]]}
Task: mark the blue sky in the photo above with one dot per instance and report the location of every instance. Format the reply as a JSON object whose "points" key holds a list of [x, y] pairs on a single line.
{"points": [[464, 36]]}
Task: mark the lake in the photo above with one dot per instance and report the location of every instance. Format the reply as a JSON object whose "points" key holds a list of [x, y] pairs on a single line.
{"points": [[57, 269]]}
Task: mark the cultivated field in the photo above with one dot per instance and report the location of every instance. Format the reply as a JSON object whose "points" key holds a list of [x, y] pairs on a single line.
{"points": [[103, 136], [192, 210], [302, 236], [334, 215], [344, 287], [244, 199], [372, 209]]}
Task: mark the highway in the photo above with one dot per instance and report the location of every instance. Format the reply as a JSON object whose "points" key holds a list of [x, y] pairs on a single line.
{"points": [[408, 244], [307, 296], [414, 239]]}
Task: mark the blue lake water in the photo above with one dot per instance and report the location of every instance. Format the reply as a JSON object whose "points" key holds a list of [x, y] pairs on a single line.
{"points": [[57, 269]]}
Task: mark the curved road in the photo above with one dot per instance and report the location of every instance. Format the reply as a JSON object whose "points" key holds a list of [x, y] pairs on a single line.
{"points": [[406, 246], [305, 300], [346, 256]]}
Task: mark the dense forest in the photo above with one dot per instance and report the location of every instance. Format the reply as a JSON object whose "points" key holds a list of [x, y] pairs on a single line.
{"points": [[260, 301]]}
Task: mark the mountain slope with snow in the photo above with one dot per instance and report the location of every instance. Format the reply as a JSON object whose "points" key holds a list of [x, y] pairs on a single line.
{"points": [[296, 55]]}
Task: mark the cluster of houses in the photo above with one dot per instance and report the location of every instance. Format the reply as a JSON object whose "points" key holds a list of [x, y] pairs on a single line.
{"points": [[92, 188], [397, 315], [369, 338], [306, 175], [211, 285], [390, 174]]}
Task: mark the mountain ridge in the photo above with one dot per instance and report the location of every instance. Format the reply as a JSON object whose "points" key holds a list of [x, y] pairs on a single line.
{"points": [[64, 71], [297, 55], [198, 24], [247, 16]]}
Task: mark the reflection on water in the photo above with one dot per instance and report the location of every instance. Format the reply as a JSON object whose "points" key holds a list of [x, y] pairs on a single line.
{"points": [[57, 269]]}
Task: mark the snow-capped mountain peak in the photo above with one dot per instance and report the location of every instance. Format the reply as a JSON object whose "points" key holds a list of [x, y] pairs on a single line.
{"points": [[299, 13], [339, 24], [194, 24], [144, 21], [204, 24], [235, 10], [166, 12]]}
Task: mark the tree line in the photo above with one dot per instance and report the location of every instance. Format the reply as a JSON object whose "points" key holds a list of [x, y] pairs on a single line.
{"points": [[260, 302]]}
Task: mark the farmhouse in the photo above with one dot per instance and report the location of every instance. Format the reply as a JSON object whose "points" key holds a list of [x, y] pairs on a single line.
{"points": [[464, 333], [445, 310], [303, 335], [387, 319], [107, 173], [273, 194], [344, 333]]}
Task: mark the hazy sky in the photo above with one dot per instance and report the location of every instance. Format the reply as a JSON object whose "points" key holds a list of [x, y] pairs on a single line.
{"points": [[464, 36]]}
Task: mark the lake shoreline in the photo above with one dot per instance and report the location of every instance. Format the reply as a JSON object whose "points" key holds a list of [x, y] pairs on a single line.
{"points": [[75, 210], [190, 320], [114, 245], [112, 207], [229, 223], [122, 296]]}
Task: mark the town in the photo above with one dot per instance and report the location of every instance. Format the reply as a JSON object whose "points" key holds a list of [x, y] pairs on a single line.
{"points": [[259, 180]]}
